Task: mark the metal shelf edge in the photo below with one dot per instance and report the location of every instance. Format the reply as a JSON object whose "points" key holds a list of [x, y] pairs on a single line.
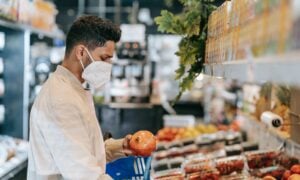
{"points": [[279, 69], [24, 27]]}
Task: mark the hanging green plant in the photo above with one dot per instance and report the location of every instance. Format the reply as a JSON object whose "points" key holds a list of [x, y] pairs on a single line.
{"points": [[191, 24]]}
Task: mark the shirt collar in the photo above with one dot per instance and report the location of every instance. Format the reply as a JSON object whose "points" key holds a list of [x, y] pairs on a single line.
{"points": [[65, 73]]}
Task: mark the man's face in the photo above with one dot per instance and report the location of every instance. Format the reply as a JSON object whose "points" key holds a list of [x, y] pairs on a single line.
{"points": [[104, 53]]}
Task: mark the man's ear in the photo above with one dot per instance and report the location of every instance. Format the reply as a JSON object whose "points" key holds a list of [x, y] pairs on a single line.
{"points": [[79, 52]]}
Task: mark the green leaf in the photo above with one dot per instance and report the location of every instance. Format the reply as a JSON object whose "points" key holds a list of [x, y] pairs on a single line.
{"points": [[180, 72], [165, 22], [191, 23]]}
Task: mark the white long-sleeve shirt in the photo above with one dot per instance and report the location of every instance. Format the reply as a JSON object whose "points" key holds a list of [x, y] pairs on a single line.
{"points": [[65, 137]]}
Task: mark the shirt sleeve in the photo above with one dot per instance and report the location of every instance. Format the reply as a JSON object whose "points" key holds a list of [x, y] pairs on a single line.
{"points": [[114, 149], [69, 143]]}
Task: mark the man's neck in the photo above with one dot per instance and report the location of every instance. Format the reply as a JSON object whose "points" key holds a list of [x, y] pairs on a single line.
{"points": [[73, 68]]}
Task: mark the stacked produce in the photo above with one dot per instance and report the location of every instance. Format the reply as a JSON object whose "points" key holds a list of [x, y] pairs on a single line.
{"points": [[179, 133], [251, 165], [219, 155], [243, 28]]}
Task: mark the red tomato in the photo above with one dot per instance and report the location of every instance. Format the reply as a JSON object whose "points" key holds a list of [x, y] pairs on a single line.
{"points": [[286, 175], [295, 169]]}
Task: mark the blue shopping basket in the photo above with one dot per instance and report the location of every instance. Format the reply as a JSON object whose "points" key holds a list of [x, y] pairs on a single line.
{"points": [[130, 168]]}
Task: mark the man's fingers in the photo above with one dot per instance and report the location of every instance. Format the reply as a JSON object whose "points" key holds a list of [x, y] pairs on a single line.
{"points": [[128, 152], [126, 141]]}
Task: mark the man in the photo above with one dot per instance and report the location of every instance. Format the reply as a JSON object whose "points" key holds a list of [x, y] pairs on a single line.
{"points": [[65, 138]]}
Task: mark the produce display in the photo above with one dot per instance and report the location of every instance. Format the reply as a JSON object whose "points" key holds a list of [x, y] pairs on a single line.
{"points": [[173, 133], [143, 143], [206, 144], [221, 155], [180, 133], [271, 172], [260, 159], [226, 166], [197, 167], [287, 161]]}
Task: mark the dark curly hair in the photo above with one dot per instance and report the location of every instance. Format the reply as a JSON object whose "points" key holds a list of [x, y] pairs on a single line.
{"points": [[91, 31]]}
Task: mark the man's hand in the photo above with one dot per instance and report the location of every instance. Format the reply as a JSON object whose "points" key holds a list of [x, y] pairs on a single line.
{"points": [[126, 147]]}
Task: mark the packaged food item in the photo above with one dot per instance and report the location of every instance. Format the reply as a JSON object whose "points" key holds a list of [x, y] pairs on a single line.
{"points": [[237, 177], [9, 9], [274, 171], [169, 174], [228, 165], [211, 174], [203, 141], [175, 143], [174, 152], [161, 165], [160, 155], [217, 154], [233, 138], [198, 157], [43, 14], [234, 14], [247, 11], [197, 165], [233, 150], [176, 162], [260, 159], [160, 147], [24, 12], [287, 161], [294, 37], [250, 146], [188, 141], [171, 177], [190, 149]]}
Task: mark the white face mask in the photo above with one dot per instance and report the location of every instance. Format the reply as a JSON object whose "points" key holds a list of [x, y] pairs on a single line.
{"points": [[97, 74]]}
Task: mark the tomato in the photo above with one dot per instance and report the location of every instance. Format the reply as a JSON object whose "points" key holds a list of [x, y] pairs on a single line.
{"points": [[286, 175], [295, 169], [294, 177], [143, 143]]}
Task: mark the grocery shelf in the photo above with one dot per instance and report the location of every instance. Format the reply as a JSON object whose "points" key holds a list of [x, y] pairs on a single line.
{"points": [[12, 167], [279, 69], [24, 27]]}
